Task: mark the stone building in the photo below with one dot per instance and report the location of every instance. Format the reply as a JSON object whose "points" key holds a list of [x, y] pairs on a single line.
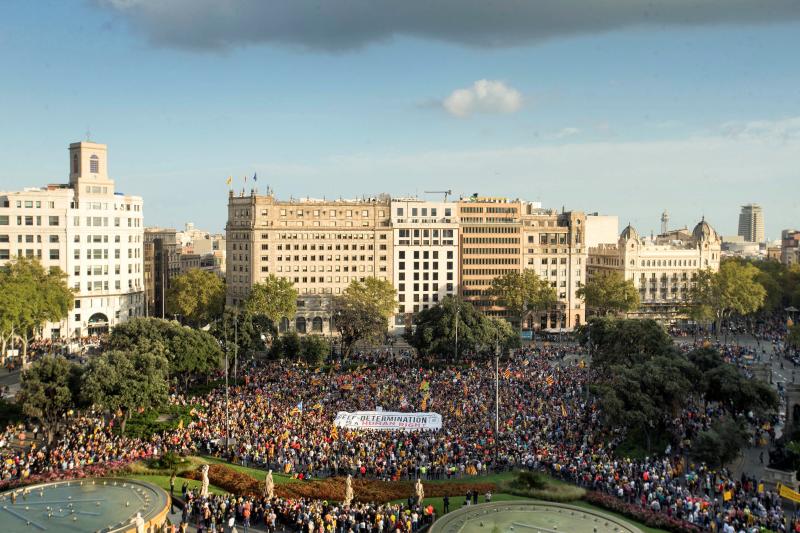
{"points": [[321, 246], [662, 268]]}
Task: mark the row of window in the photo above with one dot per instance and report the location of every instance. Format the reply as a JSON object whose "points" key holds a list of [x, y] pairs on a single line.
{"points": [[425, 254]]}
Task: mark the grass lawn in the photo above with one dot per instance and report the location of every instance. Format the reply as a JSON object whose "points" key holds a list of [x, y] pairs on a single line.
{"points": [[163, 482], [279, 479]]}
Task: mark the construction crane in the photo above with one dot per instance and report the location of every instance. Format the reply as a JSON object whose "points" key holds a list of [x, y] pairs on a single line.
{"points": [[446, 193]]}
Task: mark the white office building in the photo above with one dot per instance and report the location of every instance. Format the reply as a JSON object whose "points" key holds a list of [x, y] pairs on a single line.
{"points": [[426, 240], [91, 232]]}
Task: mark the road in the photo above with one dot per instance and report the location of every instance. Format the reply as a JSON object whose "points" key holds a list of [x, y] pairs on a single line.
{"points": [[10, 380]]}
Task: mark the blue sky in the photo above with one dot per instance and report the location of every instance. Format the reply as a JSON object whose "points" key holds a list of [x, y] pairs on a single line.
{"points": [[625, 121]]}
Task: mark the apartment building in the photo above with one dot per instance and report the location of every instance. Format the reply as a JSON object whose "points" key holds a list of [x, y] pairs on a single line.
{"points": [[661, 268], [161, 264], [319, 245], [490, 246], [425, 237], [554, 246], [91, 232], [790, 247]]}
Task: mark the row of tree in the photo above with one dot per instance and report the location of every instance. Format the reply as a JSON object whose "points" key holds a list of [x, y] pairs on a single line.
{"points": [[643, 384], [30, 296], [144, 357]]}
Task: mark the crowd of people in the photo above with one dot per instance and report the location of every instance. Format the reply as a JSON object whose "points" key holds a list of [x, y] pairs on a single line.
{"points": [[281, 418]]}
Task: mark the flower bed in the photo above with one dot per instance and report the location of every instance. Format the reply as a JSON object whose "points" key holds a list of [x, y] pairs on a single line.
{"points": [[639, 513], [332, 489]]}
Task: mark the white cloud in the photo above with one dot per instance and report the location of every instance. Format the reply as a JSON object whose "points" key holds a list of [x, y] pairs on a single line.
{"points": [[782, 130], [563, 133], [484, 96]]}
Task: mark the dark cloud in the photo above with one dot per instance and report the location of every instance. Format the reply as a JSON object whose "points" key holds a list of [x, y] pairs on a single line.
{"points": [[335, 25]]}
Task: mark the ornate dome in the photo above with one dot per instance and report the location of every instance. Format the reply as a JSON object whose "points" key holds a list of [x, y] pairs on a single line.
{"points": [[629, 233], [704, 232]]}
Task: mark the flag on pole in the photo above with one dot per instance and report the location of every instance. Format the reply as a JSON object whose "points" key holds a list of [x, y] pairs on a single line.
{"points": [[507, 373], [550, 381], [229, 180], [298, 409]]}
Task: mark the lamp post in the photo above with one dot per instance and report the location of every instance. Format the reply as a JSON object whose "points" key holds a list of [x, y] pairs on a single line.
{"points": [[227, 417], [458, 310]]}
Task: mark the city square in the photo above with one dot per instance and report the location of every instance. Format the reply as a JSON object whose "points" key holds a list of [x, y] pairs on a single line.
{"points": [[397, 267]]}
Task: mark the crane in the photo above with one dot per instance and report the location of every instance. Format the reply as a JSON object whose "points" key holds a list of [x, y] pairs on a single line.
{"points": [[446, 193]]}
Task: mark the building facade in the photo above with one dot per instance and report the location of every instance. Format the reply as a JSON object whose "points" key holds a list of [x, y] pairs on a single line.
{"points": [[161, 264], [790, 247], [751, 223], [662, 268], [88, 230], [490, 246], [321, 246], [554, 247], [425, 238]]}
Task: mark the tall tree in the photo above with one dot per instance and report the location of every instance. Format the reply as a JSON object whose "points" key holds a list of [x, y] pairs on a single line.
{"points": [[731, 290], [50, 388], [197, 297], [189, 352], [437, 328], [314, 349], [624, 341], [523, 293], [273, 298], [362, 312], [40, 295], [608, 292], [126, 381]]}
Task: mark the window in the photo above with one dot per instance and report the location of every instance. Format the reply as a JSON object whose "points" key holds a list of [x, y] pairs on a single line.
{"points": [[3, 220], [4, 253], [94, 164], [53, 238], [54, 254], [53, 220]]}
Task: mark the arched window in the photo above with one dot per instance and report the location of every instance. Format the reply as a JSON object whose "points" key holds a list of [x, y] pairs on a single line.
{"points": [[300, 324], [94, 164], [316, 324], [283, 326]]}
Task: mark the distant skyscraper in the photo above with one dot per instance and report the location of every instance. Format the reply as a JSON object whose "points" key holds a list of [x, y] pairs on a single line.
{"points": [[751, 223]]}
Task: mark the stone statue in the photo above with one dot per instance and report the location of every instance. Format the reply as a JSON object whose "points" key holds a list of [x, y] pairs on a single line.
{"points": [[204, 488], [269, 486], [138, 521], [348, 491], [419, 491]]}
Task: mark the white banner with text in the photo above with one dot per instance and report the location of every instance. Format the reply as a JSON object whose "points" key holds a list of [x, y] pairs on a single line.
{"points": [[388, 420]]}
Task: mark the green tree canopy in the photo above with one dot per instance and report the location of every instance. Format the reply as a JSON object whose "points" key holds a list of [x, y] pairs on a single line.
{"points": [[523, 293], [608, 292], [373, 293], [188, 352], [434, 332], [197, 297], [50, 388], [314, 349], [624, 341], [362, 312], [731, 290], [273, 299], [720, 444], [126, 381], [34, 296]]}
